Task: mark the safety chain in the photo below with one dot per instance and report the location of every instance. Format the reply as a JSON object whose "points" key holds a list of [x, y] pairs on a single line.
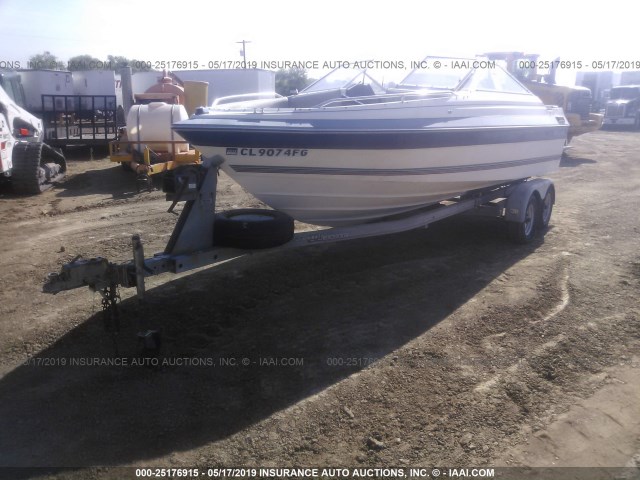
{"points": [[110, 312]]}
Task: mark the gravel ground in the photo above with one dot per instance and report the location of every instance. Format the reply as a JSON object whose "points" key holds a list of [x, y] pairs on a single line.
{"points": [[446, 346]]}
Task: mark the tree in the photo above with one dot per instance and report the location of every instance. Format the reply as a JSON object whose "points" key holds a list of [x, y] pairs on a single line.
{"points": [[83, 62], [45, 60], [118, 62], [288, 81]]}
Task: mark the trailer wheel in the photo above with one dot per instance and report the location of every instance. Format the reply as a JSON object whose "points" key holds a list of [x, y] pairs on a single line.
{"points": [[252, 228], [525, 231], [546, 207], [35, 167]]}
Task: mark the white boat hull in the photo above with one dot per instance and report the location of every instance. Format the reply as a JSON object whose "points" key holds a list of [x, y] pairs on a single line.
{"points": [[341, 187]]}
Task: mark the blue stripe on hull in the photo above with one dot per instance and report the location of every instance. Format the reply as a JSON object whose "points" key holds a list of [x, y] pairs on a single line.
{"points": [[388, 171], [263, 137]]}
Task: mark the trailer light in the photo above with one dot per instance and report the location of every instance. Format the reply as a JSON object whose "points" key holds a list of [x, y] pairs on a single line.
{"points": [[24, 132], [3, 145]]}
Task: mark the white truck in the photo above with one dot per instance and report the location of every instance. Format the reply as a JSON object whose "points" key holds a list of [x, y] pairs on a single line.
{"points": [[623, 107], [29, 164]]}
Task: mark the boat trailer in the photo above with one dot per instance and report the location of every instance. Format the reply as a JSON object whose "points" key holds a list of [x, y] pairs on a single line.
{"points": [[526, 206]]}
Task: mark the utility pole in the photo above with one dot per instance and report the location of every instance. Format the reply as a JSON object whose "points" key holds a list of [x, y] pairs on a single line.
{"points": [[243, 52]]}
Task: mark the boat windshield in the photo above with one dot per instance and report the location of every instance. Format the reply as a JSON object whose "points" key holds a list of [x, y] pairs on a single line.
{"points": [[437, 73], [461, 74], [492, 78], [345, 78]]}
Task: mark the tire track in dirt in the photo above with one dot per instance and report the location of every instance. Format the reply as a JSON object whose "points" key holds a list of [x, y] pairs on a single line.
{"points": [[512, 370]]}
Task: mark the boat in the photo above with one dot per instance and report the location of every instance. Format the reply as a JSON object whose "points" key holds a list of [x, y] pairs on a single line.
{"points": [[348, 150]]}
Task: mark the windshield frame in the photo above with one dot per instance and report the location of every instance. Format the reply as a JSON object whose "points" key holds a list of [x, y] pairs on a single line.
{"points": [[352, 80]]}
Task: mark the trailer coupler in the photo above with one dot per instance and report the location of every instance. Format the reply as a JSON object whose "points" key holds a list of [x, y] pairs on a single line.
{"points": [[99, 274], [95, 273]]}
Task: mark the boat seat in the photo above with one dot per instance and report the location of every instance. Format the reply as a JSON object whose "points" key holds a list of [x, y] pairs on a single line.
{"points": [[306, 100], [360, 90]]}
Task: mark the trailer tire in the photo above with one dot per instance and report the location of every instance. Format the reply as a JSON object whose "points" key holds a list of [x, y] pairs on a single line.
{"points": [[525, 231], [28, 175], [546, 208], [252, 228]]}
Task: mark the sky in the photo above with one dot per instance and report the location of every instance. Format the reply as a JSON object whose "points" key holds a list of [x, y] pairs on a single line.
{"points": [[320, 30]]}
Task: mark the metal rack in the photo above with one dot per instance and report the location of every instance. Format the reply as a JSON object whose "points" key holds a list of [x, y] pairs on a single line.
{"points": [[80, 119]]}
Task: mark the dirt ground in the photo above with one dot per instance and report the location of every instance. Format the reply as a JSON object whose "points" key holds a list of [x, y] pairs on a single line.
{"points": [[448, 346]]}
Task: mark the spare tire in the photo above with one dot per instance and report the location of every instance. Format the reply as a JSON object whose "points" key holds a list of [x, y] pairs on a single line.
{"points": [[252, 228]]}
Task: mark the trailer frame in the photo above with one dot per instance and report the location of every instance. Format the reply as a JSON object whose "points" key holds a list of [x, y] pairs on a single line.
{"points": [[191, 243]]}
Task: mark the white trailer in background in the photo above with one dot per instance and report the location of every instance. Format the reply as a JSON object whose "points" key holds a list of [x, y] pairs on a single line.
{"points": [[45, 82], [141, 81], [97, 83]]}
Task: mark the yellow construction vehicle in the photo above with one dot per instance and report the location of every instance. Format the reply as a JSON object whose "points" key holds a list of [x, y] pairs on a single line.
{"points": [[575, 101]]}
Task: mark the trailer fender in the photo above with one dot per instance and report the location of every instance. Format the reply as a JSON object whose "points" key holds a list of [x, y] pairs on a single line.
{"points": [[518, 199]]}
